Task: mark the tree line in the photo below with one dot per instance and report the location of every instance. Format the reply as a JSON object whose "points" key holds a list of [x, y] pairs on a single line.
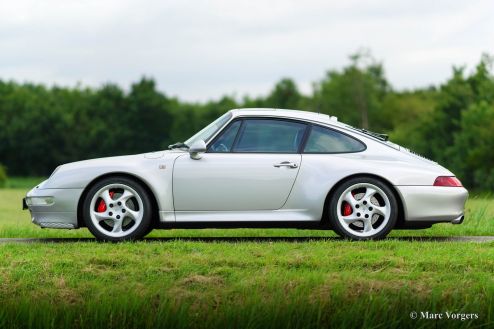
{"points": [[453, 123]]}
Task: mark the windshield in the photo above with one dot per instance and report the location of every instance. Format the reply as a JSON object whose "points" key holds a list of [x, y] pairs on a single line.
{"points": [[208, 132]]}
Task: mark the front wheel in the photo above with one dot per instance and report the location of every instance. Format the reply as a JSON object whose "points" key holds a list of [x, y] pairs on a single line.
{"points": [[363, 208], [117, 209]]}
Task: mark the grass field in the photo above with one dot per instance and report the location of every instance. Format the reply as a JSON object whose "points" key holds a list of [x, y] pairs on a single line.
{"points": [[254, 280]]}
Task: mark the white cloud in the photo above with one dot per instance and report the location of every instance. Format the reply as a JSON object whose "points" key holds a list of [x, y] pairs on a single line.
{"points": [[203, 49]]}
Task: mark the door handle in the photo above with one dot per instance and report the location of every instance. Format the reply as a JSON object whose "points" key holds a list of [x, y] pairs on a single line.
{"points": [[286, 164]]}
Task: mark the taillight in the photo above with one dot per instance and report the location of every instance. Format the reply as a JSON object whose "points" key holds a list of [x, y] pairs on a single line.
{"points": [[447, 181]]}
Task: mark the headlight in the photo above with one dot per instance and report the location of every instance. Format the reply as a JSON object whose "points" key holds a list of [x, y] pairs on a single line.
{"points": [[40, 201]]}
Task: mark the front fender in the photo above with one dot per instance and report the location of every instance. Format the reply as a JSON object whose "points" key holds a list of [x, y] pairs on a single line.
{"points": [[156, 173]]}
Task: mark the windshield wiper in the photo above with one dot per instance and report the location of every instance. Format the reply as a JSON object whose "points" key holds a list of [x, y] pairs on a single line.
{"points": [[178, 145]]}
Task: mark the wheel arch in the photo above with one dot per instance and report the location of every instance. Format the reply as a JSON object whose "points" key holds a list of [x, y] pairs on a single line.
{"points": [[145, 185], [399, 200]]}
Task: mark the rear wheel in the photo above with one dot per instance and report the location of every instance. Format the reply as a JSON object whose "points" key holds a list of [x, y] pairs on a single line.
{"points": [[117, 209], [363, 208]]}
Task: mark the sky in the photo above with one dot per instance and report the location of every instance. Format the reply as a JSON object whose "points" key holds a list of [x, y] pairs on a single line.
{"points": [[201, 50]]}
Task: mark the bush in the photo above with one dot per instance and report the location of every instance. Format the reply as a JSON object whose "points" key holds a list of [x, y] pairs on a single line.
{"points": [[472, 152], [3, 176]]}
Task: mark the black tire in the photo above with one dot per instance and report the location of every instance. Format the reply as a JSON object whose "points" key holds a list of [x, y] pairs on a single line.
{"points": [[142, 229], [149, 229], [348, 233]]}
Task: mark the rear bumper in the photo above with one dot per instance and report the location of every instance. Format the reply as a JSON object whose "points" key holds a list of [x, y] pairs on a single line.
{"points": [[61, 213], [434, 204]]}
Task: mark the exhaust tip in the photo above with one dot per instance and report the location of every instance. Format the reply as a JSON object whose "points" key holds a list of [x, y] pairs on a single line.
{"points": [[458, 220]]}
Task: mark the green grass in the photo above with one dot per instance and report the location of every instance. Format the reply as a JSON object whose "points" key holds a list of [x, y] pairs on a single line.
{"points": [[23, 182], [244, 283]]}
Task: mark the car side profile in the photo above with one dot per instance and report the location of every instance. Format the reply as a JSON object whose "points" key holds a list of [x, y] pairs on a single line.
{"points": [[255, 168]]}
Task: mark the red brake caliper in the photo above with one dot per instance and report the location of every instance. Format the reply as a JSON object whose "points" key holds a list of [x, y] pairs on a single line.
{"points": [[102, 204], [347, 209]]}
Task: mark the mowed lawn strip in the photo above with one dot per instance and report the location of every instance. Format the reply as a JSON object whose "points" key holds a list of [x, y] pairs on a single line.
{"points": [[243, 283], [333, 282]]}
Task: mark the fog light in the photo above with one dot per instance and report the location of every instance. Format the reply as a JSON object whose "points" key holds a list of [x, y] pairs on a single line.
{"points": [[40, 201]]}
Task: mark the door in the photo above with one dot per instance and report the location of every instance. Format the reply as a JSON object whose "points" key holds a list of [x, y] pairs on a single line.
{"points": [[252, 165]]}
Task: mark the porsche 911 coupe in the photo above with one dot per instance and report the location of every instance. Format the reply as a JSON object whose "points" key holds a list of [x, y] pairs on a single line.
{"points": [[255, 168]]}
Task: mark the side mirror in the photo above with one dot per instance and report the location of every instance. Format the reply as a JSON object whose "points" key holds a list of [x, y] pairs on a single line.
{"points": [[196, 149]]}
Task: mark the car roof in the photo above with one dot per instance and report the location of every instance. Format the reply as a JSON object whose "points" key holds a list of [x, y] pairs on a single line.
{"points": [[284, 113]]}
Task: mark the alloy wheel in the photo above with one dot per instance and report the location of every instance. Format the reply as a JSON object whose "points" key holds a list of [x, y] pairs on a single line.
{"points": [[363, 210], [116, 210]]}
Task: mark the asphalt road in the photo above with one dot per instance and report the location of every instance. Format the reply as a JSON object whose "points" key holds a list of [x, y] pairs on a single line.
{"points": [[252, 239]]}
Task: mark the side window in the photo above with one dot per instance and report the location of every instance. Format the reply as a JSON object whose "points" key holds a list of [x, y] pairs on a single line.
{"points": [[225, 142], [323, 140], [270, 136]]}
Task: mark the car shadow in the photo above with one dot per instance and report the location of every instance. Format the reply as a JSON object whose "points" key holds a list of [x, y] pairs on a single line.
{"points": [[258, 239]]}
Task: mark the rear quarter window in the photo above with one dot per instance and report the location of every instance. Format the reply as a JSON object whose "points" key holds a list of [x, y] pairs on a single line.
{"points": [[325, 140]]}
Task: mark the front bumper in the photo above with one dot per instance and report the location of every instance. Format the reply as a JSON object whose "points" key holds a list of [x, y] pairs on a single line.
{"points": [[434, 204], [60, 213]]}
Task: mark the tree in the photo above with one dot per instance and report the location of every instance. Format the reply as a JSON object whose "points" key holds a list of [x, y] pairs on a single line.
{"points": [[42, 127], [458, 94], [285, 95], [3, 176], [355, 94], [473, 146], [147, 117], [406, 113]]}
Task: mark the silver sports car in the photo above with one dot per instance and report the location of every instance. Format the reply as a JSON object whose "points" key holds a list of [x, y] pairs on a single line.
{"points": [[255, 168]]}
